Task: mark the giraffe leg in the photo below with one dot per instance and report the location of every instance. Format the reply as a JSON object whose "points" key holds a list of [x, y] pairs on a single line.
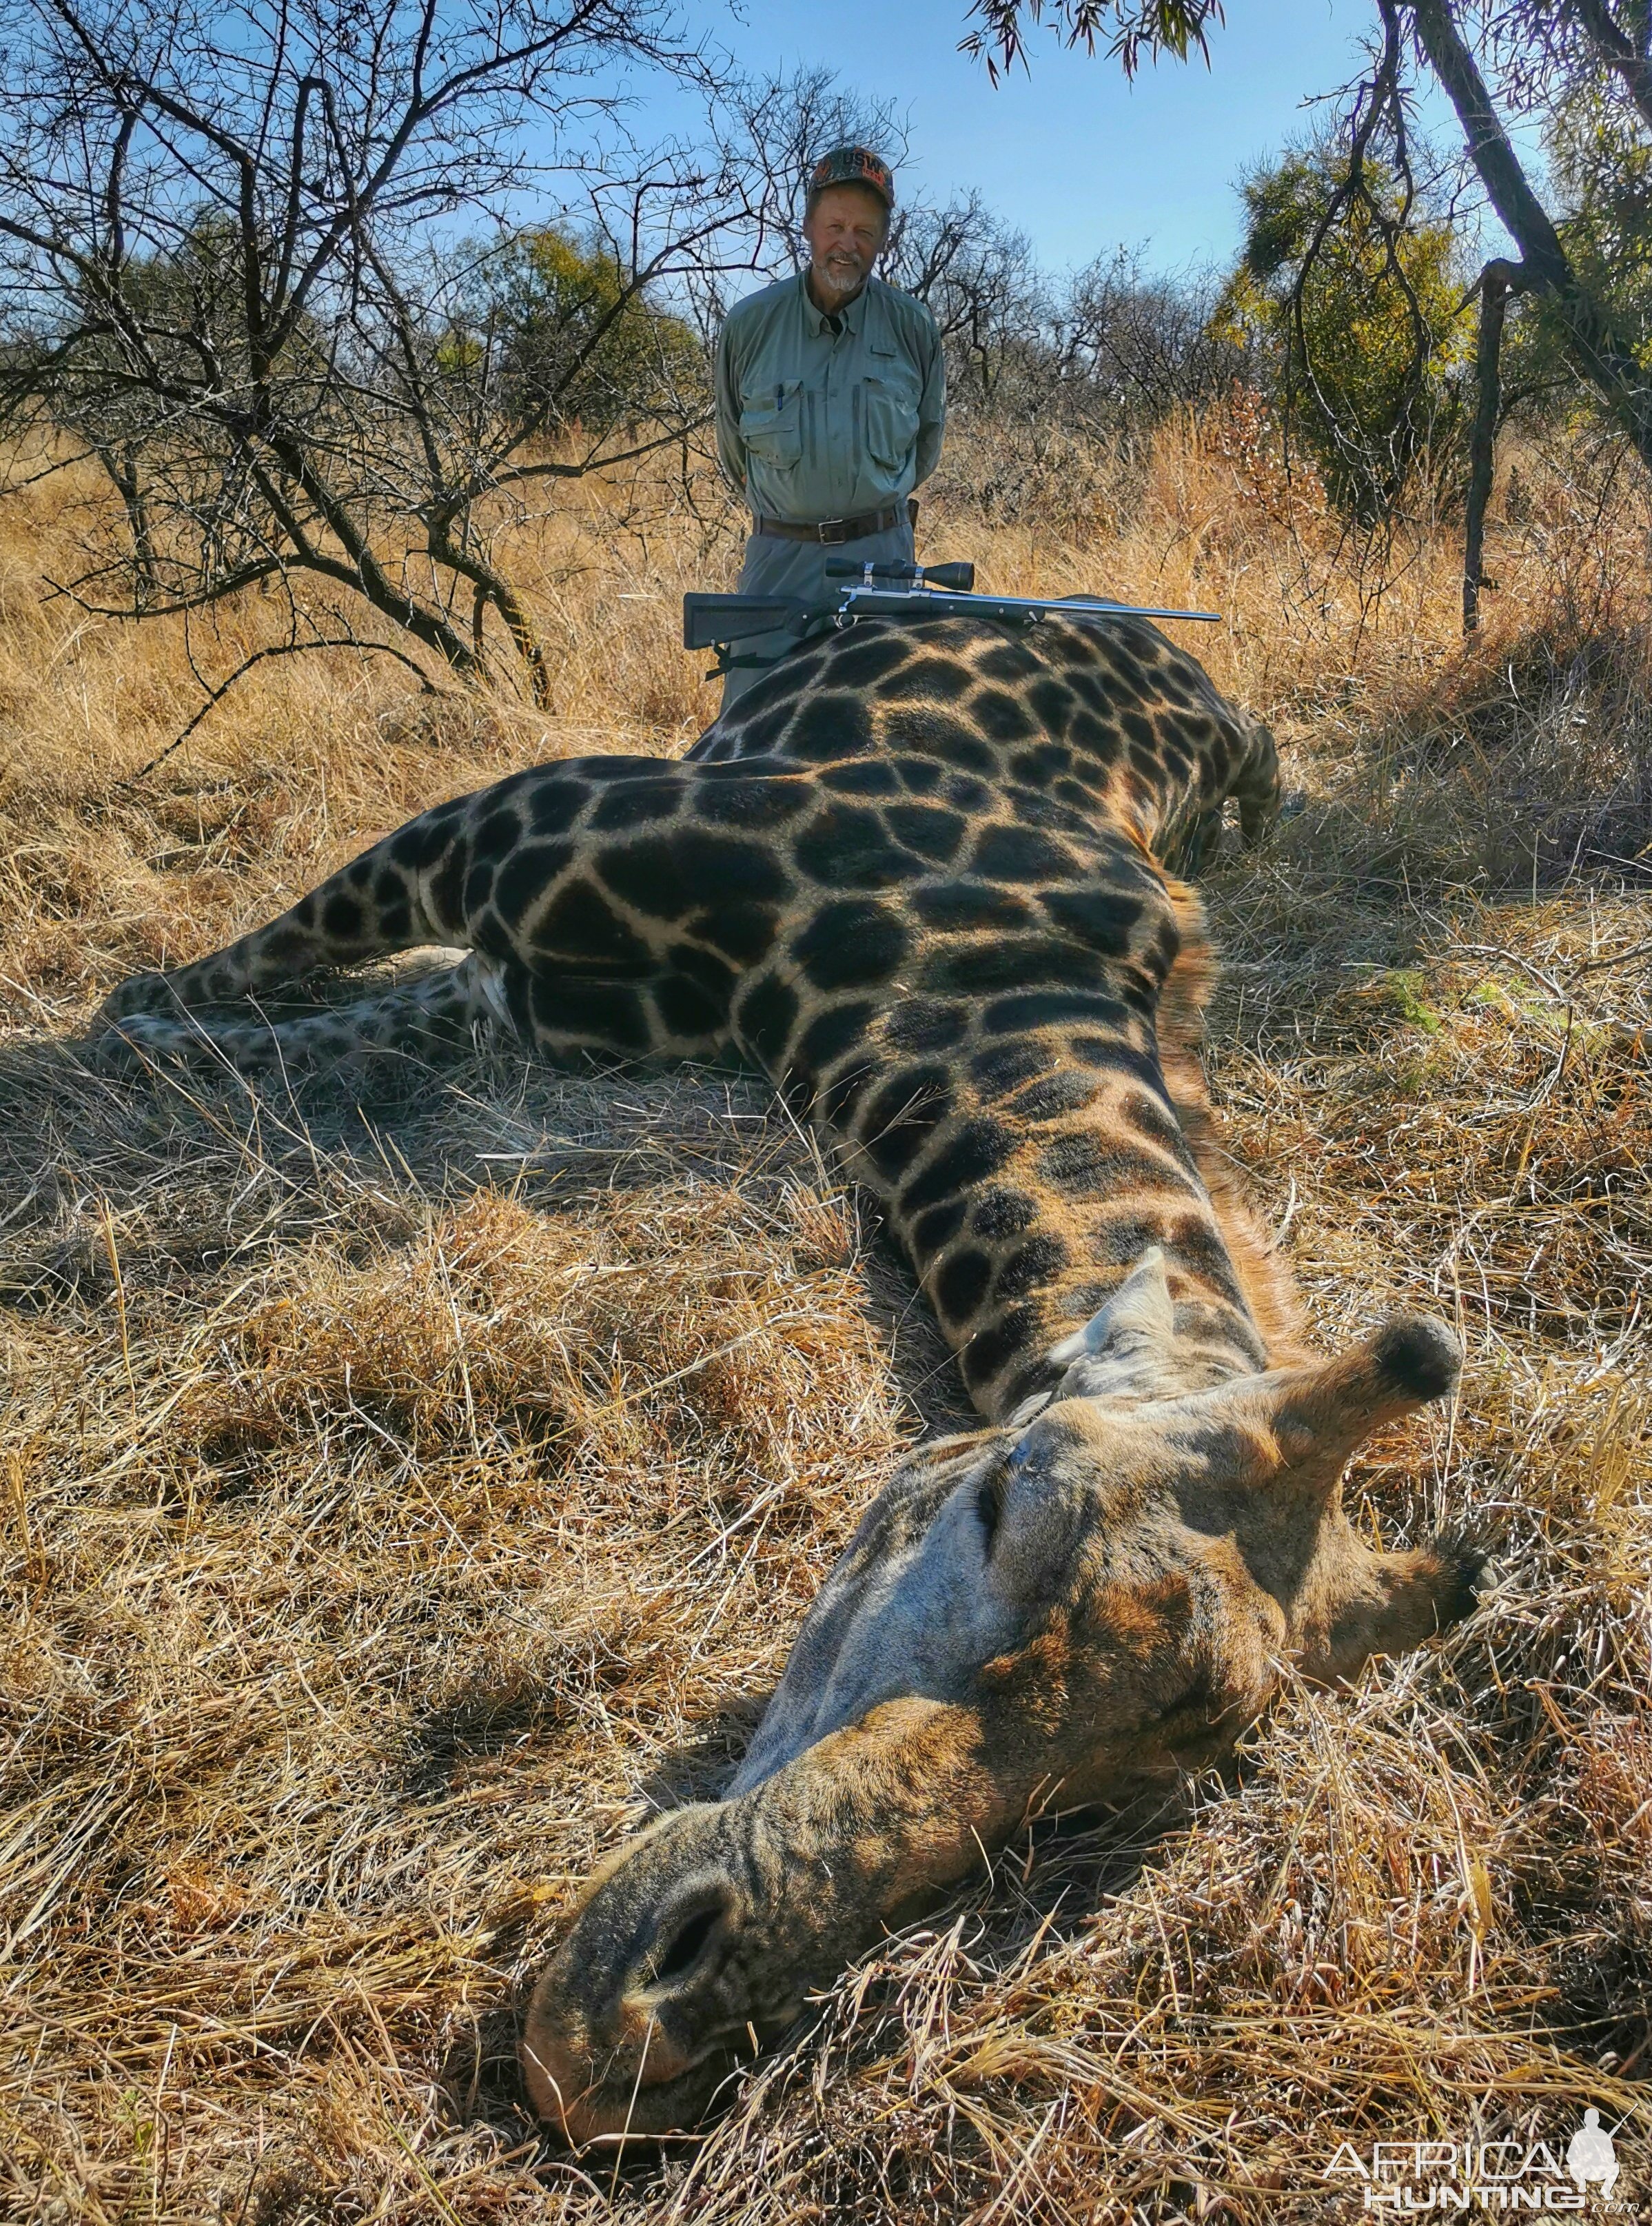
{"points": [[375, 907], [438, 1013]]}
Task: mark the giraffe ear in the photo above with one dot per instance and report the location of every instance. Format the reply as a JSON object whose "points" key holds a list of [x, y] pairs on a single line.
{"points": [[1124, 1340]]}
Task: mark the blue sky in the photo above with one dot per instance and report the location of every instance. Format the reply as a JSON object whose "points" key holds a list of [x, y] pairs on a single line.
{"points": [[1071, 153]]}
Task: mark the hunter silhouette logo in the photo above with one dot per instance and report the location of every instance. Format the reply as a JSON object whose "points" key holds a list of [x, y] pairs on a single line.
{"points": [[1591, 2155], [1407, 2176]]}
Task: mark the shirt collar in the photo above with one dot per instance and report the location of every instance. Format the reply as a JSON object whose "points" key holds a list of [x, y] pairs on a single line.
{"points": [[848, 316]]}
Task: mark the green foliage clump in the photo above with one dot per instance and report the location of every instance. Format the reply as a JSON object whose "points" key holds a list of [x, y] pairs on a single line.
{"points": [[577, 340], [1360, 297]]}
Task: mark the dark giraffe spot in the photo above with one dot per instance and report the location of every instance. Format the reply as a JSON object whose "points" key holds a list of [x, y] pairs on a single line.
{"points": [[447, 897], [606, 1012], [1141, 732], [1009, 1015], [745, 931], [526, 875], [712, 973], [1006, 1066], [860, 777], [637, 804], [553, 809], [839, 1029], [396, 922], [669, 876], [833, 725], [942, 676], [980, 1148], [1032, 808], [1041, 763], [899, 1120], [1000, 717], [1029, 1265], [1024, 962], [848, 944], [999, 1213], [965, 793], [498, 832], [934, 833], [846, 846], [1115, 1244], [1101, 919], [938, 735], [935, 1227], [1008, 661], [685, 1010], [749, 803], [961, 1284], [1018, 854], [955, 907], [1089, 1165], [988, 1354], [1195, 1243], [846, 1089], [1153, 1120], [611, 766], [921, 775], [1068, 1091], [755, 732], [764, 1015], [359, 872], [1051, 703], [1097, 738], [420, 842], [304, 911], [920, 1024], [1075, 793], [341, 917], [859, 662], [580, 928]]}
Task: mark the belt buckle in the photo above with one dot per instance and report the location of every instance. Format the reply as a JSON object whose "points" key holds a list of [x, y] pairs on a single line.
{"points": [[833, 531]]}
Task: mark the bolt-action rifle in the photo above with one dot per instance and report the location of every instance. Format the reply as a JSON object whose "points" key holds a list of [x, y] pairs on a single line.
{"points": [[887, 591]]}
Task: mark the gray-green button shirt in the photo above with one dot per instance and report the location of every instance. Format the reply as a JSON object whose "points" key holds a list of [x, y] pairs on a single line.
{"points": [[813, 426]]}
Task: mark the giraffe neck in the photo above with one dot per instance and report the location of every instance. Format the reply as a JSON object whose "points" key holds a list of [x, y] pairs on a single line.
{"points": [[1026, 1145]]}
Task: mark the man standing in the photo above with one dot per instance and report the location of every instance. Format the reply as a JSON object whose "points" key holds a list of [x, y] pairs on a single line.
{"points": [[831, 395]]}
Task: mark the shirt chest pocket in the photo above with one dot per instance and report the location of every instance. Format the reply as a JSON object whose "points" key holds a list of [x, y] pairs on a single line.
{"points": [[889, 395], [771, 424]]}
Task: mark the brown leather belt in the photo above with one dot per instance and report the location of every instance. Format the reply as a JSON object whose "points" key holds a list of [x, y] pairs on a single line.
{"points": [[832, 531]]}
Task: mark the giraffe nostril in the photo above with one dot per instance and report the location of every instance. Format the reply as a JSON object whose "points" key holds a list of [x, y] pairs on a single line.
{"points": [[683, 1940]]}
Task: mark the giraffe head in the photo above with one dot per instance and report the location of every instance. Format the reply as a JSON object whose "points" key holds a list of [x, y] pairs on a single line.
{"points": [[1072, 1608]]}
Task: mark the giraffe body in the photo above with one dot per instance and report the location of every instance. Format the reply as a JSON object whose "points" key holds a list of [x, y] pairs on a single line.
{"points": [[915, 875], [909, 876]]}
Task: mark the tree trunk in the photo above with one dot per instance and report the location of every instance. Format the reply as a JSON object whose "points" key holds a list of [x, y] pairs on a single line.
{"points": [[1497, 280], [1605, 359]]}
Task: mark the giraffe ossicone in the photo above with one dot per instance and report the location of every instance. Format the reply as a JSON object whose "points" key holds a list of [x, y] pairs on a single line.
{"points": [[918, 874]]}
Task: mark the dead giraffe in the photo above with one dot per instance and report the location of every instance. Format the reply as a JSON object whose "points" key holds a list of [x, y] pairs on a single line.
{"points": [[914, 876]]}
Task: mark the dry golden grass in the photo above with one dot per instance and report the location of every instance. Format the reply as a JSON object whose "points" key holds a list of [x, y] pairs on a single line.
{"points": [[406, 1489]]}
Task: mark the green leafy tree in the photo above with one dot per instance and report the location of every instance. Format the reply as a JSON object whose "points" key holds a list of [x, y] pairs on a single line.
{"points": [[1360, 299], [578, 342]]}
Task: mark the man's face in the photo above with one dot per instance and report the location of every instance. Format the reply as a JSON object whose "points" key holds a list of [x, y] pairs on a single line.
{"points": [[845, 230]]}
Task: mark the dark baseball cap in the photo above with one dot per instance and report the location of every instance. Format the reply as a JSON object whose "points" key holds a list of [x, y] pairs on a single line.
{"points": [[854, 166]]}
